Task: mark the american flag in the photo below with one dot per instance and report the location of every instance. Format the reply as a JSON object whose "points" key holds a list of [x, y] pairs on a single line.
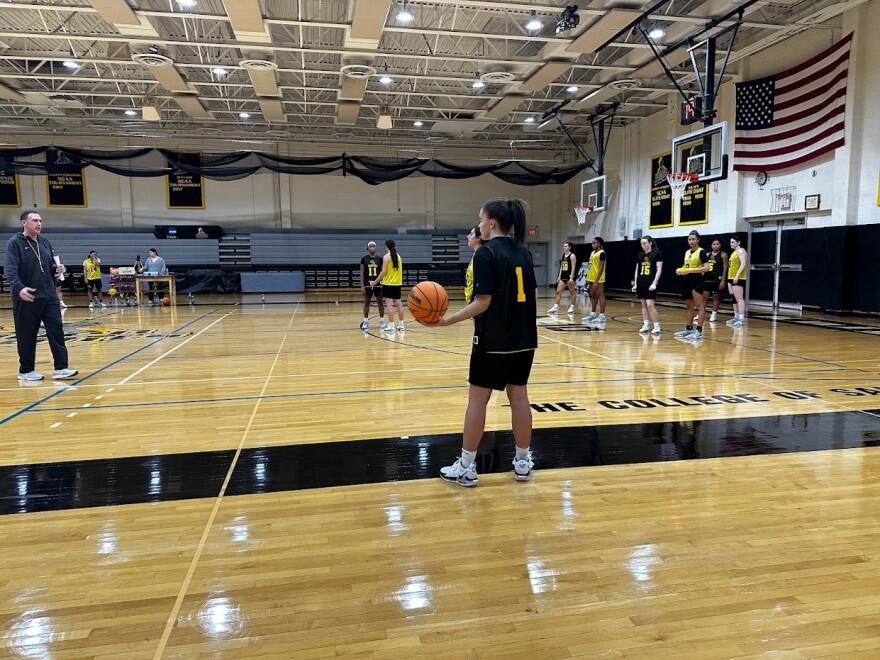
{"points": [[794, 116]]}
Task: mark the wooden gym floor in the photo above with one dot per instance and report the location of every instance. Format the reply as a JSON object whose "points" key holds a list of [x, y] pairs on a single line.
{"points": [[238, 479]]}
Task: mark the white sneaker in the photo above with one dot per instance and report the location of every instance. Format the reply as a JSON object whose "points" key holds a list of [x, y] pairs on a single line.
{"points": [[365, 325], [646, 327], [656, 330], [522, 470], [103, 304], [739, 323], [696, 334], [731, 321], [570, 309], [63, 374], [589, 317], [31, 375], [389, 328], [601, 318], [91, 305], [63, 306], [381, 324], [683, 333], [713, 316], [457, 473], [400, 327], [553, 310]]}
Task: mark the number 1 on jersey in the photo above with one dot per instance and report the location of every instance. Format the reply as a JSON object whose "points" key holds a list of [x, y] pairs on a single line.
{"points": [[520, 290]]}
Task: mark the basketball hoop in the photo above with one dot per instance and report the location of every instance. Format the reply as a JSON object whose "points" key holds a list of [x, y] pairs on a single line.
{"points": [[581, 213], [678, 181]]}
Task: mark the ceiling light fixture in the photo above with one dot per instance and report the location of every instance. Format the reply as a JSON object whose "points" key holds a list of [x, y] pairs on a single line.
{"points": [[385, 79], [534, 24], [418, 123], [530, 120], [244, 115], [478, 84], [656, 33], [405, 15], [571, 89], [187, 4], [70, 64], [219, 71], [131, 113]]}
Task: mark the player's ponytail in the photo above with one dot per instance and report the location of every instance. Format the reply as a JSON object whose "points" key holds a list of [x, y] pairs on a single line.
{"points": [[510, 214], [390, 244]]}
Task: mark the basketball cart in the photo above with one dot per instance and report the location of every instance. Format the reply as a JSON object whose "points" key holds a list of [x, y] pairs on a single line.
{"points": [[124, 283]]}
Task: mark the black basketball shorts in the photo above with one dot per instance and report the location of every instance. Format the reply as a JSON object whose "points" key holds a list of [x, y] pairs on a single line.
{"points": [[496, 371]]}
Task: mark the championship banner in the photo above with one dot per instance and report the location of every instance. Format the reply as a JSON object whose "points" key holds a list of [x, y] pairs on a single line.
{"points": [[660, 212], [65, 190], [184, 190], [9, 195], [694, 205]]}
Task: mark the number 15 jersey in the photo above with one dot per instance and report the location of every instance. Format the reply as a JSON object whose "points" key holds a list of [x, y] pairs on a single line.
{"points": [[503, 269]]}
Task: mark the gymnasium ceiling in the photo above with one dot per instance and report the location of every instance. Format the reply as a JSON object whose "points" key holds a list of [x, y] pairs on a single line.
{"points": [[284, 64]]}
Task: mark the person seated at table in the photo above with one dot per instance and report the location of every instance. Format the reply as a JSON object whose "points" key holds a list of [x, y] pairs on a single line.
{"points": [[154, 265]]}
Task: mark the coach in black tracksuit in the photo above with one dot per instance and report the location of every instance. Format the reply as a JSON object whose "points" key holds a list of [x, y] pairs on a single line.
{"points": [[30, 268]]}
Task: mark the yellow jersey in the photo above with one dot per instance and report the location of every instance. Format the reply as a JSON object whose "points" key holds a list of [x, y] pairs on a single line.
{"points": [[394, 276], [693, 258], [734, 266], [469, 282], [593, 270], [92, 269]]}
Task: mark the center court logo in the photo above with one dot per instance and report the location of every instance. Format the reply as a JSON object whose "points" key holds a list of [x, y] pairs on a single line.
{"points": [[90, 332]]}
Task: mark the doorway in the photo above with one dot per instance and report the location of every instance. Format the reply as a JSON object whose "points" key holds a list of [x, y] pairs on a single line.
{"points": [[540, 252], [775, 263]]}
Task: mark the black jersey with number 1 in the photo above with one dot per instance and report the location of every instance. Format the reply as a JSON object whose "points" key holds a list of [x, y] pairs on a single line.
{"points": [[503, 269]]}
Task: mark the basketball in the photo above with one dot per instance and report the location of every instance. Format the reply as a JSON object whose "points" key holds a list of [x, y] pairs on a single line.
{"points": [[112, 291], [427, 302], [166, 301], [114, 271]]}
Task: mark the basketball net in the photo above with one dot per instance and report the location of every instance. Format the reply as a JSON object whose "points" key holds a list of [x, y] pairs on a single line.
{"points": [[581, 213], [678, 181]]}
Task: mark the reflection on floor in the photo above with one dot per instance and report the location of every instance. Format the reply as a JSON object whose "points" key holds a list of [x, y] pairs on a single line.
{"points": [[82, 484]]}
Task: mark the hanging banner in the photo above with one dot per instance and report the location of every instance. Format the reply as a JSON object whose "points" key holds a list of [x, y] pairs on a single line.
{"points": [[660, 213], [9, 195], [65, 190], [184, 190]]}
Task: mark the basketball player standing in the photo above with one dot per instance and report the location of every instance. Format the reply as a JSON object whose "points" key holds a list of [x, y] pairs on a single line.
{"points": [[371, 264], [565, 278], [504, 310], [391, 278], [716, 279]]}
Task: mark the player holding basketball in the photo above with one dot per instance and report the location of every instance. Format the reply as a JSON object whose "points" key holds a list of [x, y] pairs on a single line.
{"points": [[391, 278], [596, 282], [715, 279], [504, 310], [737, 274], [649, 266], [370, 267], [696, 264], [565, 278]]}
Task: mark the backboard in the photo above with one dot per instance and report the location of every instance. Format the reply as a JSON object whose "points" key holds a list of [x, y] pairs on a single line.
{"points": [[593, 193], [702, 152]]}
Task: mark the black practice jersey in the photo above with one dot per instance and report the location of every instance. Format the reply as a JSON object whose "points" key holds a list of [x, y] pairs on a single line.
{"points": [[503, 269], [372, 268], [647, 265], [716, 267], [565, 268]]}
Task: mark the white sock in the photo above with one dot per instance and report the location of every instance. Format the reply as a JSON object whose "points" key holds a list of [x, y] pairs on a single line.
{"points": [[467, 457], [522, 454], [366, 319], [657, 325]]}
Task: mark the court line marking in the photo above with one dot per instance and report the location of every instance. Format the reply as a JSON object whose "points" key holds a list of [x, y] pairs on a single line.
{"points": [[169, 352], [184, 587], [73, 385], [578, 348]]}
